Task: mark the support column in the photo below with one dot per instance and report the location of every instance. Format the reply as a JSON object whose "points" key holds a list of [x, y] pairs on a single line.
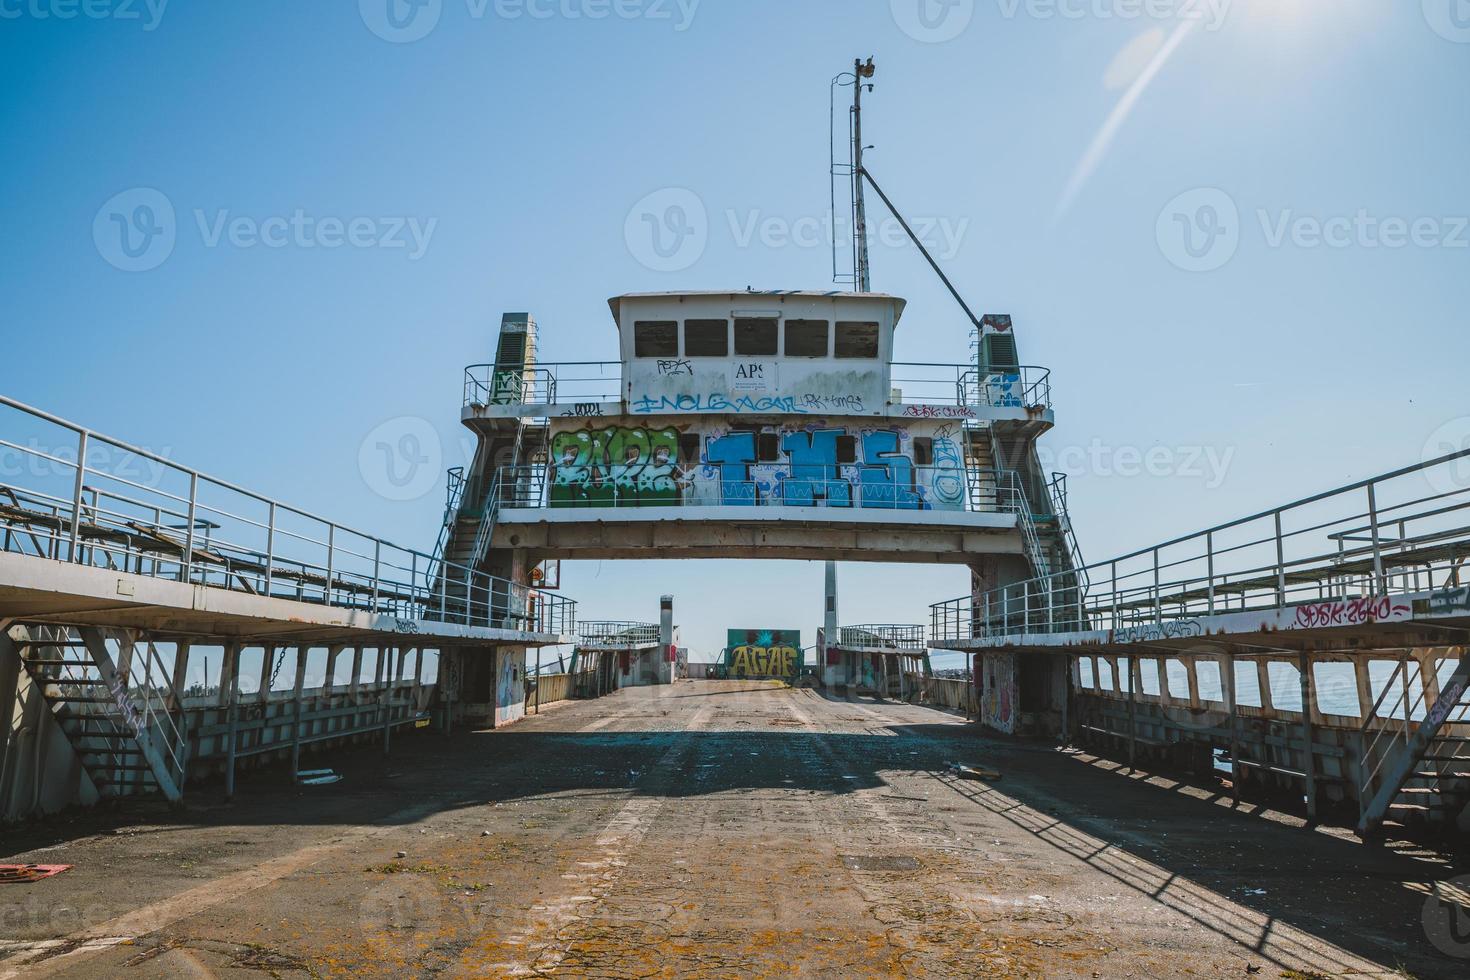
{"points": [[665, 640], [1133, 675], [10, 668], [229, 684], [301, 655], [1227, 670], [1309, 756]]}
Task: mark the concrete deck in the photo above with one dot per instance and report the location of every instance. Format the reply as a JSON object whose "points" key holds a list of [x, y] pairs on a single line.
{"points": [[43, 590], [721, 829]]}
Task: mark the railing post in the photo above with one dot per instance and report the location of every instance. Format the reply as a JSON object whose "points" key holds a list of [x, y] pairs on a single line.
{"points": [[1280, 564], [1210, 569], [377, 565], [1114, 609], [72, 552], [1380, 587], [270, 548], [331, 563], [1158, 606], [188, 567]]}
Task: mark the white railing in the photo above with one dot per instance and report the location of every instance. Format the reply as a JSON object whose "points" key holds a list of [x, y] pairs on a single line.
{"points": [[1404, 531], [76, 496], [964, 385], [615, 634]]}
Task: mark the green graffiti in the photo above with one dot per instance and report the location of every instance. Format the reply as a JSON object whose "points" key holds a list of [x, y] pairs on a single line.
{"points": [[618, 466]]}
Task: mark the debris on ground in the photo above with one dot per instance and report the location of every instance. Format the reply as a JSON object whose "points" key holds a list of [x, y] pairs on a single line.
{"points": [[318, 777], [972, 772], [24, 874]]}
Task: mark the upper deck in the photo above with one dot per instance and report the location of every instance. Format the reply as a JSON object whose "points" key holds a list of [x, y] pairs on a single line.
{"points": [[755, 353]]}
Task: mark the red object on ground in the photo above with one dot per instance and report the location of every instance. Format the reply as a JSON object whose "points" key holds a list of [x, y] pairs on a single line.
{"points": [[24, 874]]}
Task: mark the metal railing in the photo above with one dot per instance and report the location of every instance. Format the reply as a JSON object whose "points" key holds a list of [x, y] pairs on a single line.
{"points": [[1404, 531], [454, 484], [73, 495], [633, 486], [544, 384], [1388, 726], [964, 385], [615, 634], [882, 636], [960, 385]]}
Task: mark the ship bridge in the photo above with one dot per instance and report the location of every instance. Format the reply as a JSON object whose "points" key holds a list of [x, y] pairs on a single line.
{"points": [[757, 424]]}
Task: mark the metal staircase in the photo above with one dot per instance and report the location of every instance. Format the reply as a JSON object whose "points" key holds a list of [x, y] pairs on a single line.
{"points": [[117, 712], [471, 515], [1416, 773]]}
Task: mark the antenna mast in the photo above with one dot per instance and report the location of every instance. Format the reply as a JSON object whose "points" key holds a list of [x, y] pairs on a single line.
{"points": [[860, 72]]}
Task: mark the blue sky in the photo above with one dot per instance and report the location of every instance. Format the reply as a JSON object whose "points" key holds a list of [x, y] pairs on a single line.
{"points": [[1310, 331]]}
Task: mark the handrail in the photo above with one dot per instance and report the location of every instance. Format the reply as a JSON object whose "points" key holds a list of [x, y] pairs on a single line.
{"points": [[295, 554], [1303, 555]]}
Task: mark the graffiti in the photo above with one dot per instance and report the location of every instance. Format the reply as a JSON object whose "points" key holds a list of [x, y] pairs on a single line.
{"points": [[938, 412], [507, 388], [672, 367], [1178, 629], [814, 475], [134, 719], [583, 410], [763, 653], [949, 469], [814, 466], [1349, 612], [510, 693], [1449, 699], [616, 466], [998, 682], [405, 626], [1446, 602], [832, 403], [716, 403], [733, 454]]}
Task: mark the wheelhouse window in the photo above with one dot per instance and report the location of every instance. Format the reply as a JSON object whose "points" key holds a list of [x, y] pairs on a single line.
{"points": [[856, 339], [806, 338], [706, 338], [755, 337], [656, 338]]}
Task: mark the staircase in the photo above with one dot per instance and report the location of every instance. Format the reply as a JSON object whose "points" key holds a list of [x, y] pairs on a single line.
{"points": [[470, 518], [114, 710], [1416, 773]]}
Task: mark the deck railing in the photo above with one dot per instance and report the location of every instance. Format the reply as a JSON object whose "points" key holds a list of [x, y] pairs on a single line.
{"points": [[1404, 531], [882, 636], [73, 495], [972, 490], [962, 386], [615, 634]]}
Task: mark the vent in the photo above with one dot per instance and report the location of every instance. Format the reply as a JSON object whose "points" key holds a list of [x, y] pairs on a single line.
{"points": [[997, 354]]}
